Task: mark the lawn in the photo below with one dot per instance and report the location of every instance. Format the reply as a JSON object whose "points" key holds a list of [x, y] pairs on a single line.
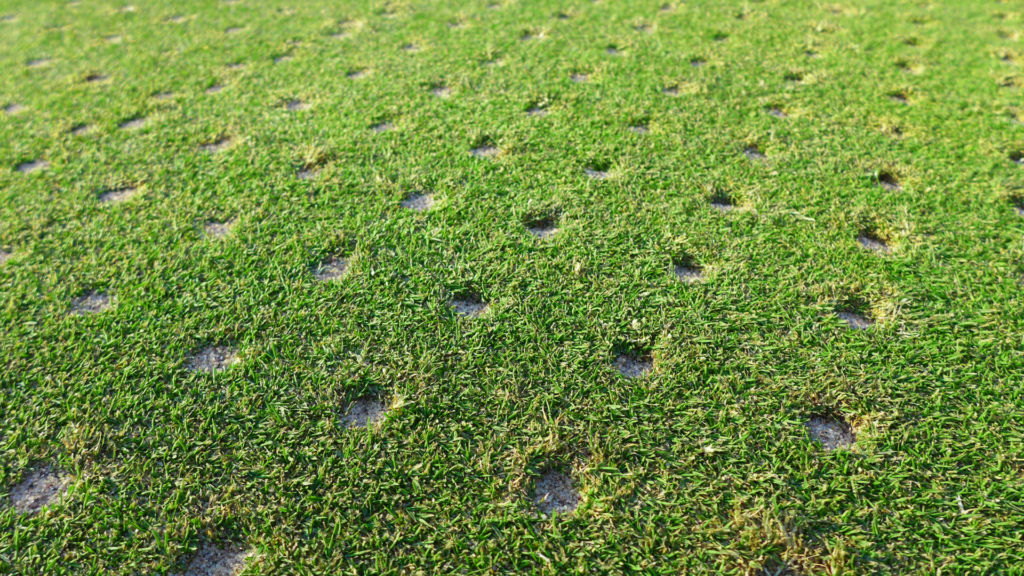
{"points": [[511, 287]]}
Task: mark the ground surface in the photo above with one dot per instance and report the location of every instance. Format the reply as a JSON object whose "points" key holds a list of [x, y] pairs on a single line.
{"points": [[348, 288]]}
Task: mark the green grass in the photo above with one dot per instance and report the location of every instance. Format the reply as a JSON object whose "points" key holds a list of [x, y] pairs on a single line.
{"points": [[702, 466]]}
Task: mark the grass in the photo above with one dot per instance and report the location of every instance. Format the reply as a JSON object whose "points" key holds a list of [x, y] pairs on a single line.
{"points": [[818, 124]]}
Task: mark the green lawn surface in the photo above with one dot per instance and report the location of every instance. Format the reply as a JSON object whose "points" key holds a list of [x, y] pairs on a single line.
{"points": [[718, 180]]}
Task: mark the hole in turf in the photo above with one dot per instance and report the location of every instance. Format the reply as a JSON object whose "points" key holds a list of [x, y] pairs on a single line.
{"points": [[777, 112], [4, 256], [687, 270], [12, 109], [752, 152], [529, 35], [283, 58], [855, 313], [113, 39], [33, 166], [555, 493], [441, 91], [697, 62], [670, 90], [90, 303], [612, 50], [1017, 157], [132, 124], [899, 97], [639, 129], [871, 240], [832, 432], [537, 111], [644, 28], [719, 37], [163, 95], [218, 145], [364, 412], [887, 181], [216, 229], [469, 305], [721, 201], [213, 359], [418, 202], [95, 77], [38, 63], [542, 223], [578, 77], [562, 16], [117, 196], [214, 561], [330, 269], [634, 364], [39, 489], [80, 129], [382, 127], [357, 74], [233, 30], [214, 89], [484, 148], [296, 106], [176, 19], [793, 77]]}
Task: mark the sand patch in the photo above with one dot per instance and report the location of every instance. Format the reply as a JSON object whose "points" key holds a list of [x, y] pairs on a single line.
{"points": [[364, 413], [91, 303], [634, 365], [213, 561], [38, 490], [554, 493], [213, 359], [33, 166], [418, 202], [331, 269], [117, 196], [830, 432]]}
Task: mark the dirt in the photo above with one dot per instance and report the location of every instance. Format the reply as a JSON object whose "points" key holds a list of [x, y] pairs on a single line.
{"points": [[554, 493], [830, 432], [38, 490], [633, 365], [333, 269], [91, 303], [213, 359], [363, 413], [214, 561], [418, 202]]}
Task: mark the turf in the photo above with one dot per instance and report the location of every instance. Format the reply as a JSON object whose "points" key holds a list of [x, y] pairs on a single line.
{"points": [[797, 212]]}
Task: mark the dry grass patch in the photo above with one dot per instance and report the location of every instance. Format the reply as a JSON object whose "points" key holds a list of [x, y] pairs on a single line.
{"points": [[214, 561], [91, 303], [633, 365], [213, 359], [831, 433], [554, 493], [39, 489], [331, 269], [364, 413], [418, 202], [117, 196]]}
